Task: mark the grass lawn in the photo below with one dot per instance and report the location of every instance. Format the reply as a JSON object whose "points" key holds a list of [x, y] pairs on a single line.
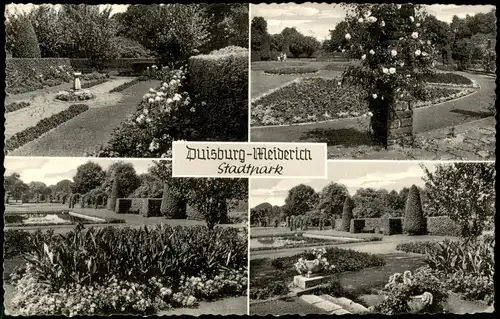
{"points": [[88, 130]]}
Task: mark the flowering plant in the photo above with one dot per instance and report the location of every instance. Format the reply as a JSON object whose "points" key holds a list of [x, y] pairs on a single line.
{"points": [[316, 255], [394, 50]]}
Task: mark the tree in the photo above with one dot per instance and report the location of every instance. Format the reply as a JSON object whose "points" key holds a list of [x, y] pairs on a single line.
{"points": [[128, 179], [115, 191], [462, 52], [173, 204], [150, 186], [332, 198], [21, 38], [347, 213], [463, 191], [88, 176], [370, 203], [228, 24], [14, 186], [301, 199], [49, 30], [262, 212], [265, 49], [259, 32], [37, 189], [414, 222]]}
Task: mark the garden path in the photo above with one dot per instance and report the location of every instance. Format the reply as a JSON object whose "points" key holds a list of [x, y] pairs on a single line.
{"points": [[226, 306], [43, 104], [347, 132], [84, 133]]}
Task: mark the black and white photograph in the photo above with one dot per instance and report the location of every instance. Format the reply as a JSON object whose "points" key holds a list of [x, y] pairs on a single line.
{"points": [[124, 80], [376, 81], [375, 237], [107, 236]]}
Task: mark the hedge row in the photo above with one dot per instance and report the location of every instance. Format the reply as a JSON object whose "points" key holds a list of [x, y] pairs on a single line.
{"points": [[147, 207], [92, 83], [21, 69], [16, 106], [125, 85], [124, 64], [43, 126], [293, 70], [221, 79], [442, 226]]}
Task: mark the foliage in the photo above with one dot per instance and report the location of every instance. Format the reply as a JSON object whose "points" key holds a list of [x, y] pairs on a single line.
{"points": [[275, 288], [128, 48], [173, 204], [88, 177], [43, 126], [259, 32], [18, 242], [443, 226], [21, 39], [419, 247], [400, 289], [126, 175], [14, 106], [291, 70], [317, 256], [125, 85], [414, 222], [228, 24], [448, 78], [347, 213], [301, 199], [464, 192], [71, 96]]}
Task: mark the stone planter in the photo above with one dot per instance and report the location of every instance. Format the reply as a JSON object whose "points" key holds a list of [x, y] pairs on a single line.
{"points": [[312, 267]]}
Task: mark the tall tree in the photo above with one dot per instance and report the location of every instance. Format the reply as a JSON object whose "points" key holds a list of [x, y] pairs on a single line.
{"points": [[331, 199], [88, 176], [259, 32], [301, 199], [128, 179], [14, 186]]}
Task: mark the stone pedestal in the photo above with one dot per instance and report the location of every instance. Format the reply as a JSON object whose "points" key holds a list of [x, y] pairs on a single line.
{"points": [[304, 282], [76, 82], [400, 125]]}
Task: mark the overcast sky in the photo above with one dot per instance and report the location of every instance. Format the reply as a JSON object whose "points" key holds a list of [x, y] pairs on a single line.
{"points": [[354, 175], [316, 19], [52, 170]]}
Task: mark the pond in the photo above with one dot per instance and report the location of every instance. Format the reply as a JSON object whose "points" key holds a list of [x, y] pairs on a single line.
{"points": [[43, 218], [286, 241]]}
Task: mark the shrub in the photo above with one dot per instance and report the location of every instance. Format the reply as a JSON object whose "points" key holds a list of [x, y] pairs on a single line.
{"points": [[16, 106], [115, 190], [26, 45], [123, 205], [193, 214], [275, 288], [172, 204], [221, 80], [151, 207], [347, 213], [442, 226], [18, 242], [393, 226], [421, 247], [472, 286], [357, 226], [72, 96], [92, 83], [43, 126], [289, 70], [414, 222], [447, 78], [125, 85]]}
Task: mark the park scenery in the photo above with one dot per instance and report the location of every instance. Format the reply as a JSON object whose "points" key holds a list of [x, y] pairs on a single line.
{"points": [[376, 81], [109, 236], [124, 80], [374, 238]]}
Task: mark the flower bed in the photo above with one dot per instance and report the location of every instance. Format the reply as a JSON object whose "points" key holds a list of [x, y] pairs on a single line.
{"points": [[280, 242], [320, 99], [45, 125], [95, 82], [125, 85], [74, 96], [25, 219], [447, 78], [291, 70], [270, 277], [420, 247], [132, 271], [16, 106]]}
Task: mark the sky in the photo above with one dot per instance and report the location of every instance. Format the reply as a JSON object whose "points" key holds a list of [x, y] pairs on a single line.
{"points": [[362, 174], [52, 170], [316, 19]]}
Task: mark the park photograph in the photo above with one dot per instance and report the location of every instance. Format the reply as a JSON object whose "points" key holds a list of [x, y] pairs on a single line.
{"points": [[108, 236], [376, 81], [375, 237], [124, 80]]}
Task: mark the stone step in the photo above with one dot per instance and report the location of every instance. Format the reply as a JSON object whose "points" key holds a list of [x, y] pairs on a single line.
{"points": [[347, 304], [323, 304]]}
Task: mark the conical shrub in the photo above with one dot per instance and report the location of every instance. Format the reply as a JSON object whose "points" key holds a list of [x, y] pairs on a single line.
{"points": [[26, 45], [172, 203], [347, 213], [115, 190], [414, 222]]}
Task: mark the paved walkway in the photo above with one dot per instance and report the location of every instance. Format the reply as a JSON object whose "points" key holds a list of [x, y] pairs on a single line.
{"points": [[84, 133], [346, 133], [227, 306]]}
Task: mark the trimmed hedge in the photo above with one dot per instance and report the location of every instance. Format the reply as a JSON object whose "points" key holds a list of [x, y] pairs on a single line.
{"points": [[124, 64], [393, 226], [338, 224], [42, 127], [92, 83], [221, 80], [125, 85], [16, 106], [357, 226], [285, 70], [172, 204], [147, 207], [347, 213], [193, 214], [442, 226], [414, 221], [448, 78]]}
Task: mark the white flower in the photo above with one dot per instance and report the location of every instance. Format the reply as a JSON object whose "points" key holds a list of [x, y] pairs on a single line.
{"points": [[392, 70], [145, 111], [372, 52], [363, 57], [417, 53], [398, 6], [394, 52], [154, 145], [367, 14], [424, 53], [382, 24], [343, 50], [361, 20], [370, 114], [158, 98], [412, 19], [428, 42], [385, 70], [414, 35], [165, 84], [374, 95], [372, 19], [151, 100], [402, 64], [140, 118], [192, 109], [177, 97], [417, 25], [347, 36], [169, 100], [151, 90], [339, 83]]}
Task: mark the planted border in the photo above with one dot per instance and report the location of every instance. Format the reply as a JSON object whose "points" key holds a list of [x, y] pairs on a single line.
{"points": [[16, 106], [291, 71], [94, 83], [125, 85], [31, 133]]}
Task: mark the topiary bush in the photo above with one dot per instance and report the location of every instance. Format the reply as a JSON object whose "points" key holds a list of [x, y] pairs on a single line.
{"points": [[347, 213], [172, 203], [357, 226], [414, 221], [115, 189], [26, 45], [221, 81]]}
